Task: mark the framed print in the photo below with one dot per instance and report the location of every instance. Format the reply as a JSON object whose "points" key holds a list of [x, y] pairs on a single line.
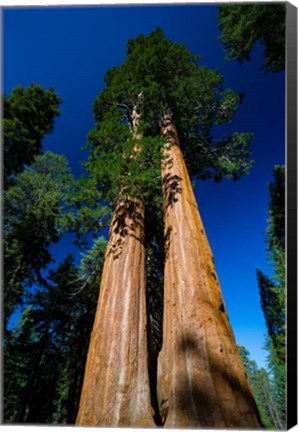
{"points": [[150, 215]]}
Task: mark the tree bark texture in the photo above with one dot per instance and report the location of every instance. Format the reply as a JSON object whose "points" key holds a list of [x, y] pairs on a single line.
{"points": [[116, 389], [201, 378]]}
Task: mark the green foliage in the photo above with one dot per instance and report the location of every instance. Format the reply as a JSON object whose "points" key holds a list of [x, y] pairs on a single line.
{"points": [[242, 25], [29, 116], [274, 312], [43, 355], [32, 211], [120, 162], [161, 77], [91, 263], [16, 350], [86, 213], [261, 385], [272, 290], [277, 369], [228, 158], [276, 226]]}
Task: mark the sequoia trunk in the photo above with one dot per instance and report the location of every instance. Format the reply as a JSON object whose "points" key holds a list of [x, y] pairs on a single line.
{"points": [[201, 378], [116, 388]]}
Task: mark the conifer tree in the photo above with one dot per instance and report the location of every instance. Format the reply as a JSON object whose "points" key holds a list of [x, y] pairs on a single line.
{"points": [[42, 330], [35, 188], [261, 384], [29, 115], [33, 208], [272, 290], [45, 352]]}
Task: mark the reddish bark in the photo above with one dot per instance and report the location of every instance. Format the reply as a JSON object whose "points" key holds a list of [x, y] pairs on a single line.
{"points": [[201, 378], [116, 383], [116, 388]]}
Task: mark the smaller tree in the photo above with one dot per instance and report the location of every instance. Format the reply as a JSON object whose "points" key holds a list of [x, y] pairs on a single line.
{"points": [[242, 25], [29, 116], [272, 289], [48, 346], [261, 385], [33, 207], [17, 350]]}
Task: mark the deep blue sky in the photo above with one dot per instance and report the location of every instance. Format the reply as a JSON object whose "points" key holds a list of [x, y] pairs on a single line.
{"points": [[72, 48]]}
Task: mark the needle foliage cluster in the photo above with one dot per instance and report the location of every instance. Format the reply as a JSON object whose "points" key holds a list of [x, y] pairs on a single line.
{"points": [[273, 291], [243, 25]]}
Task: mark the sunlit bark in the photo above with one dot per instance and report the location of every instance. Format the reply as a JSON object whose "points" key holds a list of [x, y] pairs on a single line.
{"points": [[201, 378]]}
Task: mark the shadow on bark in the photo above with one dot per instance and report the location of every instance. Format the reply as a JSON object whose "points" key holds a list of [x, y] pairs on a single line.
{"points": [[167, 242], [128, 220], [171, 185], [195, 402]]}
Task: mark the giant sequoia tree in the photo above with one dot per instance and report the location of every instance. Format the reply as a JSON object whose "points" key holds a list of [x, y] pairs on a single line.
{"points": [[200, 379]]}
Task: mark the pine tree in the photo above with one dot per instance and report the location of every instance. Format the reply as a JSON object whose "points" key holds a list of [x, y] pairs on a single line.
{"points": [[43, 349], [272, 290], [46, 352], [181, 102], [80, 301], [17, 353], [261, 384], [29, 116], [33, 206]]}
